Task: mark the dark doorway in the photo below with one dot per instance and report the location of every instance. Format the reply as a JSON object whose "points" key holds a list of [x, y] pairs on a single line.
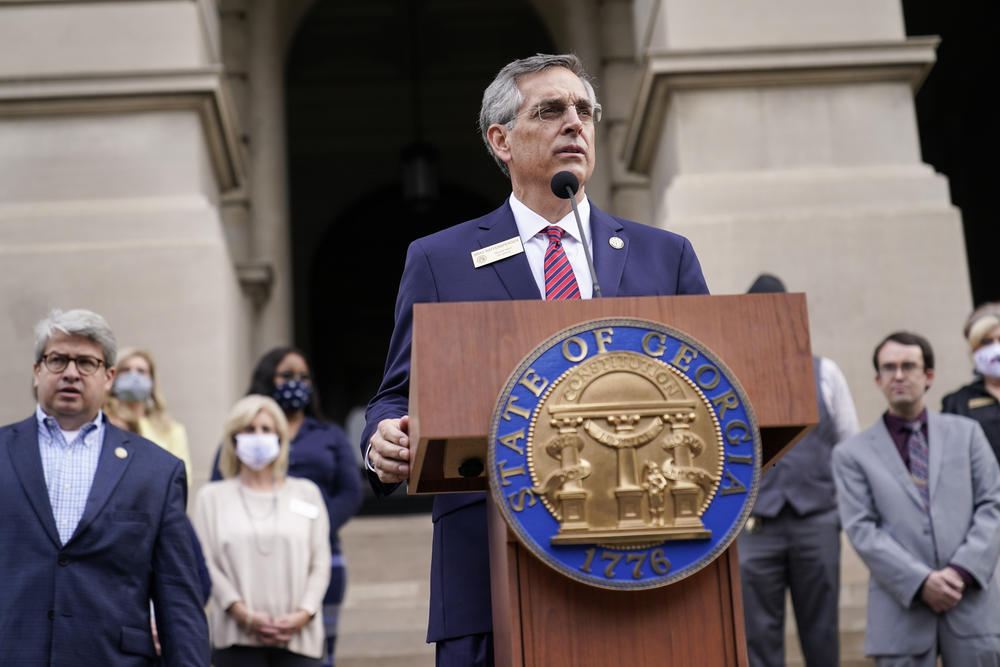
{"points": [[959, 132], [382, 102]]}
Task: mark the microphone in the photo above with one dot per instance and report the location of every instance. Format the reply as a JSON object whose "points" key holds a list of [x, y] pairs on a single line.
{"points": [[564, 185]]}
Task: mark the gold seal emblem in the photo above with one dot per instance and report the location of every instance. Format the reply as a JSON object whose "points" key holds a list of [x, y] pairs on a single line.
{"points": [[625, 450], [624, 454], [121, 452]]}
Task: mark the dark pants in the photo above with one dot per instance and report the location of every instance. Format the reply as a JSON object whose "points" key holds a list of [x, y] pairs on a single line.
{"points": [[468, 651], [802, 554], [260, 656]]}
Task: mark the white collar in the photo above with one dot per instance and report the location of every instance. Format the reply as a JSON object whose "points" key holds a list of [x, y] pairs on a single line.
{"points": [[529, 223], [41, 416]]}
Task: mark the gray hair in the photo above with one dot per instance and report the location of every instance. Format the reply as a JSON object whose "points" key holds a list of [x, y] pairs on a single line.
{"points": [[77, 322], [503, 98]]}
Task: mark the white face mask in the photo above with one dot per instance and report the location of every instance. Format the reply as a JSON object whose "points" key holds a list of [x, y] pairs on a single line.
{"points": [[987, 360], [257, 450]]}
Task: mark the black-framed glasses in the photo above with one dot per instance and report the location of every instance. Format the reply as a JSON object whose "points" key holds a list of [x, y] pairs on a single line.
{"points": [[57, 363], [554, 111], [908, 368]]}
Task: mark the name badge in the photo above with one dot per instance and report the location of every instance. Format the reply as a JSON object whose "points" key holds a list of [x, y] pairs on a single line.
{"points": [[497, 251], [302, 508]]}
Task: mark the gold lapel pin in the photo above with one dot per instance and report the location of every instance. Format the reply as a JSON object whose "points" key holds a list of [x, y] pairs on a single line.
{"points": [[616, 243], [121, 452]]}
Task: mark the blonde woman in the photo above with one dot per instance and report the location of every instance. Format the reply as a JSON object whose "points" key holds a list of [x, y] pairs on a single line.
{"points": [[266, 541], [980, 399], [135, 404]]}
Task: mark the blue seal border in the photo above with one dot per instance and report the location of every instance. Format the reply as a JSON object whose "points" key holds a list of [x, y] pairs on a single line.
{"points": [[542, 551]]}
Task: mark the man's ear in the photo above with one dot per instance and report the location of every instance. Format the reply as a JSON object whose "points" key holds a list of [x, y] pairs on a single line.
{"points": [[497, 136]]}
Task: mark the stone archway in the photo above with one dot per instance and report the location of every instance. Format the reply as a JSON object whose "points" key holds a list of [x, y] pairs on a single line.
{"points": [[369, 84]]}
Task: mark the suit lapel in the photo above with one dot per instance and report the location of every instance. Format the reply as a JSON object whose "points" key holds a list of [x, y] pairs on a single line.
{"points": [[514, 272], [884, 446], [936, 437], [609, 262], [26, 460], [110, 468]]}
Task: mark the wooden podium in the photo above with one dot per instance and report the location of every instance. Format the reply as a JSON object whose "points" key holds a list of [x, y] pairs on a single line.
{"points": [[463, 353]]}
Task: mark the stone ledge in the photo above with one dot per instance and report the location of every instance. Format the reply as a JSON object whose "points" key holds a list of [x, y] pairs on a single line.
{"points": [[668, 72], [201, 90]]}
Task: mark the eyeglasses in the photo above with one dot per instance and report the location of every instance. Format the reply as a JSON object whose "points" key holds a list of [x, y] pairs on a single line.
{"points": [[57, 363], [554, 111], [908, 368]]}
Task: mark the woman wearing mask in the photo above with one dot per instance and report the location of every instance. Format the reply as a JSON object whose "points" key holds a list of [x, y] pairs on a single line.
{"points": [[980, 399], [135, 404], [266, 541], [319, 452]]}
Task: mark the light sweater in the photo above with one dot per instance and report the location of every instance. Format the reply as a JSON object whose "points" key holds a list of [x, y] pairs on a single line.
{"points": [[276, 562]]}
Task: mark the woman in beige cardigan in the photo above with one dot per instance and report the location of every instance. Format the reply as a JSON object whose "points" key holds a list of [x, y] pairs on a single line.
{"points": [[265, 537]]}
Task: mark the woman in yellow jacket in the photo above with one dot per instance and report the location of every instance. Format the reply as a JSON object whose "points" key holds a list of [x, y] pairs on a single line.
{"points": [[135, 404]]}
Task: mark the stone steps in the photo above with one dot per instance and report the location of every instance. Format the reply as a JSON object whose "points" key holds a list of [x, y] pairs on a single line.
{"points": [[383, 621], [384, 616]]}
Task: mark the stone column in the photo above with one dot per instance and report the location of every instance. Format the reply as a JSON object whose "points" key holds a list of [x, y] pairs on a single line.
{"points": [[782, 138], [600, 32], [116, 144]]}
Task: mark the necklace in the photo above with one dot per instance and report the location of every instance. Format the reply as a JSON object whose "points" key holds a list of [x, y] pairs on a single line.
{"points": [[272, 512]]}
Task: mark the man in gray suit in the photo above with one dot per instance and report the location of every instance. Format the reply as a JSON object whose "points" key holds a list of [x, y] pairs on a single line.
{"points": [[919, 498]]}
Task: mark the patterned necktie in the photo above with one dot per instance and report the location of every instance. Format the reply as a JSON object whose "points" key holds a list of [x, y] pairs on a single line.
{"points": [[560, 283], [916, 445]]}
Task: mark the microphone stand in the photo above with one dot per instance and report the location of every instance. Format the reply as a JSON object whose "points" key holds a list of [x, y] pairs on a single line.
{"points": [[586, 245]]}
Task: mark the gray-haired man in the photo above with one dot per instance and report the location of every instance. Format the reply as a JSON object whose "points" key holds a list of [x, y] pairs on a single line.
{"points": [[538, 118], [92, 522]]}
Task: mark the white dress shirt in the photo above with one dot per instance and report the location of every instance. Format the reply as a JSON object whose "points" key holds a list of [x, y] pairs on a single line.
{"points": [[837, 398], [531, 229]]}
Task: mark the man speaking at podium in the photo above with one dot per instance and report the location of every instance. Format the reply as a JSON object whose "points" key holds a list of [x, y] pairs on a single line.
{"points": [[538, 119]]}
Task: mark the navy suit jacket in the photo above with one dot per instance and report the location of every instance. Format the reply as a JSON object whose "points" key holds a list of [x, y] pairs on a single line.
{"points": [[87, 602], [438, 269]]}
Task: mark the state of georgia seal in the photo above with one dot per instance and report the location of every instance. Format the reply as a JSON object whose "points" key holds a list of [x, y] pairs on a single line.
{"points": [[624, 454]]}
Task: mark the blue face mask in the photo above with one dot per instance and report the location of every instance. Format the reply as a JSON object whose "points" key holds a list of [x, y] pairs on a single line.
{"points": [[293, 395], [133, 387]]}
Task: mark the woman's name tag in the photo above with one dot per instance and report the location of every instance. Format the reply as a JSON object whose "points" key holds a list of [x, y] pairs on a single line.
{"points": [[301, 507]]}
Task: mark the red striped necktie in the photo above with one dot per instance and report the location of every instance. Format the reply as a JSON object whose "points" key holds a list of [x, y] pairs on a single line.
{"points": [[560, 283]]}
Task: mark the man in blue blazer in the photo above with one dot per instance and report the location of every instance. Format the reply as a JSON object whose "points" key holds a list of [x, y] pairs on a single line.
{"points": [[537, 119], [919, 497], [92, 522]]}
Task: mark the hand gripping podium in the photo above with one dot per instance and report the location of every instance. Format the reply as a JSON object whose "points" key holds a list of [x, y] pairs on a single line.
{"points": [[461, 356]]}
